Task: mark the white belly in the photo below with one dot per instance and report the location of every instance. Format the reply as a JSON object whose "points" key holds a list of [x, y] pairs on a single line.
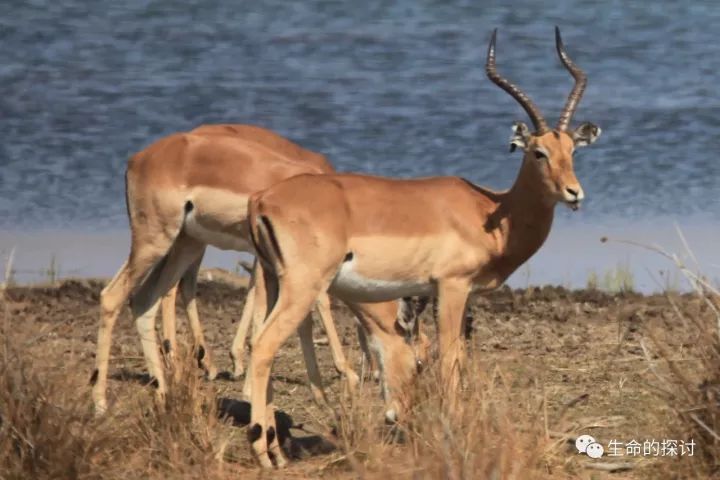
{"points": [[218, 239], [351, 286]]}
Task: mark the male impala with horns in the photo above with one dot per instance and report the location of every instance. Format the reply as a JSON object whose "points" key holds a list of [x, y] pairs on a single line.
{"points": [[371, 239]]}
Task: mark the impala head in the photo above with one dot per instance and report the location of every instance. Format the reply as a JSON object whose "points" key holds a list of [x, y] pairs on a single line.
{"points": [[549, 152]]}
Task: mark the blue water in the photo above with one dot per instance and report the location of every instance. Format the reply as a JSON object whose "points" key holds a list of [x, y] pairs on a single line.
{"points": [[390, 88], [394, 88]]}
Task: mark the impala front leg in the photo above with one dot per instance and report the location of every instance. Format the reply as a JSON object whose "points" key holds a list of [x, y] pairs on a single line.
{"points": [[339, 359], [452, 297], [237, 351], [397, 360], [311, 366], [368, 356], [258, 311]]}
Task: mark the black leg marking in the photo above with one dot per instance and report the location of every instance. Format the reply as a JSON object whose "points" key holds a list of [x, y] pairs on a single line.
{"points": [[166, 346], [421, 305], [270, 435], [254, 433], [348, 257], [200, 355], [469, 318], [407, 321], [93, 377], [189, 207]]}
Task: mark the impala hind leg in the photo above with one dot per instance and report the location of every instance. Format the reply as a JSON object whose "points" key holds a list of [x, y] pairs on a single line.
{"points": [[145, 302], [143, 257], [339, 359], [169, 330], [287, 314], [188, 291], [169, 325], [304, 333]]}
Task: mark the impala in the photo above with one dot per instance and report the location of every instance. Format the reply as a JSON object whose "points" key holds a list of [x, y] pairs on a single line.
{"points": [[187, 191], [372, 239]]}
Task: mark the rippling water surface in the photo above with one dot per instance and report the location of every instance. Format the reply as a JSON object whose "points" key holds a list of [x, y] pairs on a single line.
{"points": [[394, 88]]}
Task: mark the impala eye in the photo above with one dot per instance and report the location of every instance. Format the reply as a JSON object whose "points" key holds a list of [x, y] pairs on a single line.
{"points": [[540, 155]]}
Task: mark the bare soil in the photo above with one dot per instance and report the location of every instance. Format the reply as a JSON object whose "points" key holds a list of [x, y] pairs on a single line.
{"points": [[590, 355]]}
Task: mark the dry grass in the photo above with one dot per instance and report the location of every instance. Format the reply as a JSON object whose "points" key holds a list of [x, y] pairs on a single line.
{"points": [[496, 433], [544, 366], [688, 380], [687, 374], [49, 431], [44, 434]]}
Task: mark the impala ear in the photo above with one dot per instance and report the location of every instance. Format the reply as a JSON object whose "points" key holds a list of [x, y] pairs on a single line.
{"points": [[520, 137], [586, 134]]}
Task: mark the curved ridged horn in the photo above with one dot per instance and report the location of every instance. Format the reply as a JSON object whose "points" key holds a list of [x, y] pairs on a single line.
{"points": [[524, 101], [578, 89]]}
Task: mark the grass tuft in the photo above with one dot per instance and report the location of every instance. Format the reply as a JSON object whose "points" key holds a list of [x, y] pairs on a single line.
{"points": [[495, 433], [46, 431]]}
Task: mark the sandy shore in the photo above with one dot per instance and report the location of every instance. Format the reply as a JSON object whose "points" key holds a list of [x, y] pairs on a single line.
{"points": [[572, 255]]}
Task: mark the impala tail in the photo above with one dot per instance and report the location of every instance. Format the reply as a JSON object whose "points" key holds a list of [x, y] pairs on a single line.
{"points": [[264, 238]]}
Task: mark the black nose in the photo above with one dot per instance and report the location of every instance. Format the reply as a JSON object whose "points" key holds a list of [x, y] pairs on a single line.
{"points": [[571, 191]]}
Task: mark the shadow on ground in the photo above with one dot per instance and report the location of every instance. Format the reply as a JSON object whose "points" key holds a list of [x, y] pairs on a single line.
{"points": [[297, 447]]}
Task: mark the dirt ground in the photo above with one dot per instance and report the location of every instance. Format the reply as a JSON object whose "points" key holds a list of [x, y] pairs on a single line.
{"points": [[591, 354]]}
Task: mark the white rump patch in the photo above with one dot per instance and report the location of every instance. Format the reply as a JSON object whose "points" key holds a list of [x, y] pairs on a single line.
{"points": [[349, 285]]}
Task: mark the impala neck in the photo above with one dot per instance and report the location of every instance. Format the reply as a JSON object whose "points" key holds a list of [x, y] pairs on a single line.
{"points": [[528, 215]]}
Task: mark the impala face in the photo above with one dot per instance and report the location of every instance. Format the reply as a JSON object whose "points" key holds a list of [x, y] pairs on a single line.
{"points": [[550, 156], [549, 152]]}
